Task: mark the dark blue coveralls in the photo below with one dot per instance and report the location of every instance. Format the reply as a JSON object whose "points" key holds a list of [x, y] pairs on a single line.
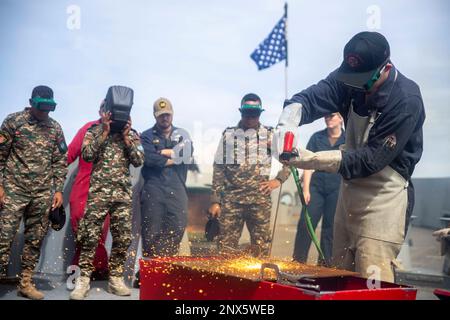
{"points": [[396, 138], [324, 190], [164, 200]]}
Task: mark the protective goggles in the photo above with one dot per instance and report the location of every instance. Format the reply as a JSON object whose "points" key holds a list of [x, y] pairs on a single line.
{"points": [[369, 84], [43, 104], [251, 109], [251, 113]]}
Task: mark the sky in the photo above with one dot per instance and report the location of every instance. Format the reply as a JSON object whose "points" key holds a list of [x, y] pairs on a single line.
{"points": [[197, 54]]}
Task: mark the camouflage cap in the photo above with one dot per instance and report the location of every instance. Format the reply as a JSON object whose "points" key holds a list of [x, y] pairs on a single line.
{"points": [[162, 106]]}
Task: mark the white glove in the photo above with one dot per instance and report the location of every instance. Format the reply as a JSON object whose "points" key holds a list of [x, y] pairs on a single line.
{"points": [[290, 117], [289, 121], [440, 234], [328, 161]]}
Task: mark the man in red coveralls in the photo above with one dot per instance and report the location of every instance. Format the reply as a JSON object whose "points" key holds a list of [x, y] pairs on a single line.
{"points": [[78, 198]]}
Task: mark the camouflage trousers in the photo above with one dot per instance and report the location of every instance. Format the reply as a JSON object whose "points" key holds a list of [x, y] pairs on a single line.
{"points": [[34, 210], [232, 219], [90, 229]]}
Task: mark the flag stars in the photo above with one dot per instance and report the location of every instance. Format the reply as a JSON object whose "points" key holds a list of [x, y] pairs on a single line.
{"points": [[273, 49]]}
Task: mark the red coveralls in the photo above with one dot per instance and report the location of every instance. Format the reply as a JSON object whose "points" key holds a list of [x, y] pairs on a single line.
{"points": [[79, 196]]}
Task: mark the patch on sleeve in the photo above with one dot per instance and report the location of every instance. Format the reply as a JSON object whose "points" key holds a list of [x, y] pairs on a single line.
{"points": [[62, 146], [4, 138], [390, 142]]}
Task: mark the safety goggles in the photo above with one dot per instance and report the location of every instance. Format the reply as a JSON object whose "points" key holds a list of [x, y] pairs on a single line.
{"points": [[251, 106], [369, 84], [248, 113], [43, 104]]}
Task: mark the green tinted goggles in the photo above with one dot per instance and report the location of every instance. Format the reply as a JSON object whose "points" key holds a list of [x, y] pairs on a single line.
{"points": [[252, 107], [43, 104]]}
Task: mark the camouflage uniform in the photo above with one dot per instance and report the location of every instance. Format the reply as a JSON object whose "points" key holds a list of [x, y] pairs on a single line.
{"points": [[109, 192], [32, 162], [238, 172]]}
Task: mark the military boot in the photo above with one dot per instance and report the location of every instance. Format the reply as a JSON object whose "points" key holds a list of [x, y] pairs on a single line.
{"points": [[26, 287], [117, 286], [81, 288]]}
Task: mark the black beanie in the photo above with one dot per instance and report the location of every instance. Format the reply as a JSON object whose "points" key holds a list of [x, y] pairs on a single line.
{"points": [[251, 97], [43, 92]]}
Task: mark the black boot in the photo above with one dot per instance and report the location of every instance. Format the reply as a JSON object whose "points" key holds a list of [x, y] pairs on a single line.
{"points": [[4, 279], [137, 281]]}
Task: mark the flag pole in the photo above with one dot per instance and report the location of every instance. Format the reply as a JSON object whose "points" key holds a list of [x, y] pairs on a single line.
{"points": [[287, 52], [285, 96]]}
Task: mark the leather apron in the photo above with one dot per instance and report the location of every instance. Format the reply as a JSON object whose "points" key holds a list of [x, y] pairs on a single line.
{"points": [[374, 206]]}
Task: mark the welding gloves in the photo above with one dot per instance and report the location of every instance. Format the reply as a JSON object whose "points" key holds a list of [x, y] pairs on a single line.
{"points": [[441, 234], [289, 121], [327, 161], [290, 117]]}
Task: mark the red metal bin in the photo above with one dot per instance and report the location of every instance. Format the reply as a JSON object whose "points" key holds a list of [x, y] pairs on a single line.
{"points": [[175, 279]]}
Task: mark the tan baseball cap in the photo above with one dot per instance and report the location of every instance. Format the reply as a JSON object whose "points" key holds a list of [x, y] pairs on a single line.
{"points": [[162, 106]]}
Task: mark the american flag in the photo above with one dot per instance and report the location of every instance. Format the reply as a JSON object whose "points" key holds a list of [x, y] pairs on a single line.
{"points": [[274, 48]]}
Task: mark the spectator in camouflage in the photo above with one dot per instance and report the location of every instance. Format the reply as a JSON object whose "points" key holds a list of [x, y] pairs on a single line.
{"points": [[241, 185], [32, 168], [109, 193]]}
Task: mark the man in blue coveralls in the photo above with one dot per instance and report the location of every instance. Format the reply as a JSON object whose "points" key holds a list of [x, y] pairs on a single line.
{"points": [[164, 202], [383, 114]]}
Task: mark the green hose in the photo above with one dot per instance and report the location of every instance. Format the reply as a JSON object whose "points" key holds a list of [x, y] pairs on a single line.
{"points": [[309, 225]]}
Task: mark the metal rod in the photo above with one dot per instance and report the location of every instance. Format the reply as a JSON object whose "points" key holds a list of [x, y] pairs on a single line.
{"points": [[286, 83], [275, 221], [285, 96], [287, 52]]}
